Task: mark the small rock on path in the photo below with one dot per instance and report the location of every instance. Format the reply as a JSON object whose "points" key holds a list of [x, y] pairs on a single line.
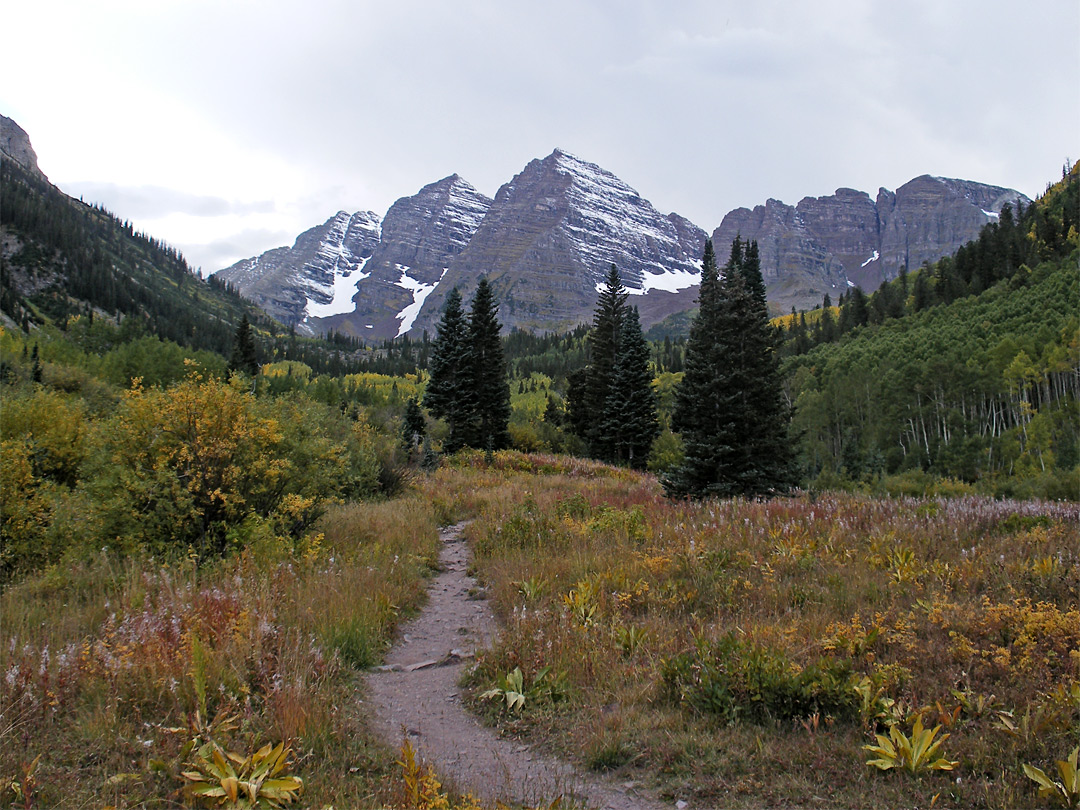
{"points": [[417, 692]]}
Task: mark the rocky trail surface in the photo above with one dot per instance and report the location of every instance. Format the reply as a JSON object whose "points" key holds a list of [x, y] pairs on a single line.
{"points": [[416, 693]]}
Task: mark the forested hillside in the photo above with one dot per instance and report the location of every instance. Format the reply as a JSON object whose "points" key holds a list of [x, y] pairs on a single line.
{"points": [[969, 369], [61, 258], [64, 258]]}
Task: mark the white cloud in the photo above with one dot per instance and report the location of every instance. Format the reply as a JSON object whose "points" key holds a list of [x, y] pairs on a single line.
{"points": [[196, 107]]}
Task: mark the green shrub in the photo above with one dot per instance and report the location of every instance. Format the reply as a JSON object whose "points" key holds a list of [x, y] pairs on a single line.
{"points": [[185, 467], [357, 639], [667, 453], [738, 679]]}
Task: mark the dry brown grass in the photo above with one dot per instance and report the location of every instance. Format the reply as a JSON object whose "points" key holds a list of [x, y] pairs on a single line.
{"points": [[958, 609], [941, 603], [109, 667]]}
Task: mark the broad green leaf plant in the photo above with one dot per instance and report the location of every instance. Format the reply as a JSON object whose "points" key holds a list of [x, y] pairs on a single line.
{"points": [[914, 753], [226, 779], [1065, 791]]}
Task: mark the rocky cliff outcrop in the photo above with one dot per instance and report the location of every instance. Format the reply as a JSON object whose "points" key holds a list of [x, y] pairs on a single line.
{"points": [[15, 145], [930, 217], [312, 277], [795, 267], [422, 236], [825, 244]]}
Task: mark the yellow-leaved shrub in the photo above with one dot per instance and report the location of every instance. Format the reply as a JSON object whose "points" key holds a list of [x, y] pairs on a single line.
{"points": [[203, 464]]}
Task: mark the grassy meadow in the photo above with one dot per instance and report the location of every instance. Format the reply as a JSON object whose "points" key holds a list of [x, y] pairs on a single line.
{"points": [[727, 653], [110, 667], [742, 654]]}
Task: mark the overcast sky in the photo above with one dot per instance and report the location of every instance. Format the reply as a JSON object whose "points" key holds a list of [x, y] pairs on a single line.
{"points": [[227, 128]]}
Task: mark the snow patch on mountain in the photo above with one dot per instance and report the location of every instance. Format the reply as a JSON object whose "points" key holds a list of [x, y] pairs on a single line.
{"points": [[344, 288], [420, 292], [465, 205], [330, 279], [874, 258], [988, 199], [668, 281]]}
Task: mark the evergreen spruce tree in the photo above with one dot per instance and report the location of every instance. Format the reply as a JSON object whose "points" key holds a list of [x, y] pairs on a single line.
{"points": [[923, 295], [767, 463], [244, 358], [802, 337], [553, 412], [603, 345], [855, 311], [700, 407], [578, 417], [449, 394], [35, 364], [749, 264], [629, 422], [413, 427], [729, 406], [826, 331], [489, 414]]}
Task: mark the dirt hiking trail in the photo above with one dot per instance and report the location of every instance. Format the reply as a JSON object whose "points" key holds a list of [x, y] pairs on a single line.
{"points": [[417, 691]]}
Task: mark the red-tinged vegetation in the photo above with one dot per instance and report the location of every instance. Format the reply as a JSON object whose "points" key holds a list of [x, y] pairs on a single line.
{"points": [[684, 629], [108, 669], [734, 653]]}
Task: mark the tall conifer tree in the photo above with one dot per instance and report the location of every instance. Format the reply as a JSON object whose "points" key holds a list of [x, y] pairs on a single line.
{"points": [[859, 313], [629, 422], [489, 412], [244, 357], [449, 391], [35, 364], [826, 328], [603, 344], [578, 417], [749, 264], [923, 295], [767, 463], [413, 427], [700, 407], [729, 407]]}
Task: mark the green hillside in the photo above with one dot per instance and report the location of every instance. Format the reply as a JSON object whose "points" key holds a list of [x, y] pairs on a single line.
{"points": [[75, 259], [969, 370]]}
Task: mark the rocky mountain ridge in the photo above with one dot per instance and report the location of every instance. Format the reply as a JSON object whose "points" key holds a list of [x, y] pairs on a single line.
{"points": [[15, 146], [361, 274], [847, 238], [550, 234], [311, 276]]}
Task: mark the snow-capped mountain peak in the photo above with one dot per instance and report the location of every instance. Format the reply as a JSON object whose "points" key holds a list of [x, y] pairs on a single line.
{"points": [[611, 223], [315, 277], [552, 232]]}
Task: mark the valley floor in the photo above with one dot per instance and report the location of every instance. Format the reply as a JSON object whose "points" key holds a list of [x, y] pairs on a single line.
{"points": [[592, 639], [416, 694]]}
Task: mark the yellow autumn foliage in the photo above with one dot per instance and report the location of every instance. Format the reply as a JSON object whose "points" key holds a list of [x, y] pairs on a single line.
{"points": [[204, 463]]}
